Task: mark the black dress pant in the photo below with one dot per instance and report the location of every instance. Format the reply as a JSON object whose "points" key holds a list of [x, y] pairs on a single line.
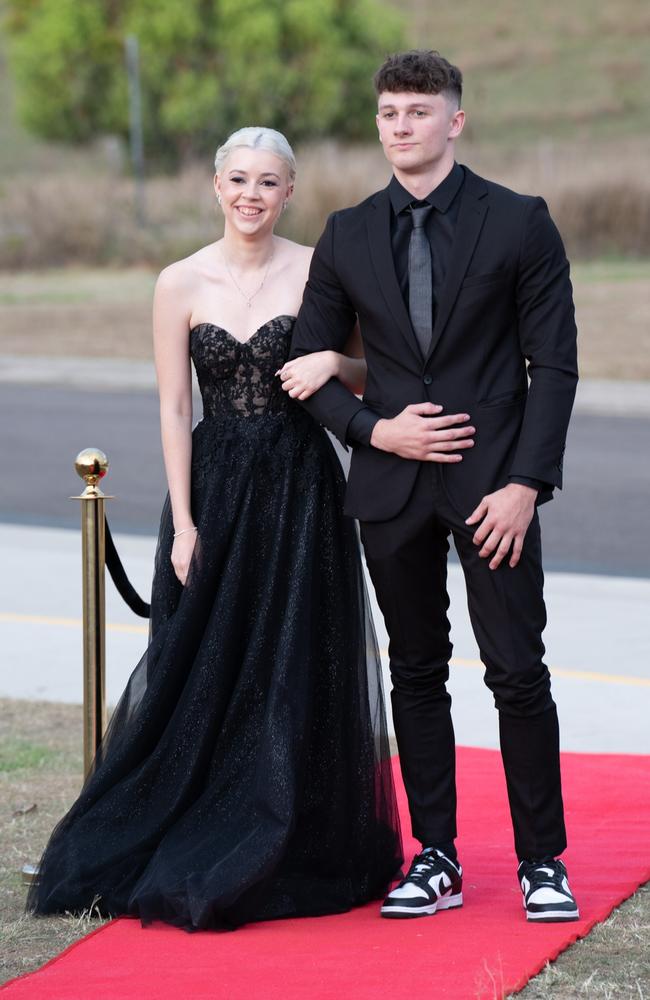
{"points": [[407, 559]]}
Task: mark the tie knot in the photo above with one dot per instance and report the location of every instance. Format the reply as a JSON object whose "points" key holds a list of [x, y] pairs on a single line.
{"points": [[419, 214]]}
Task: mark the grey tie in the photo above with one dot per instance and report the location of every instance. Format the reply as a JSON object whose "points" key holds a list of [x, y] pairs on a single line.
{"points": [[420, 279]]}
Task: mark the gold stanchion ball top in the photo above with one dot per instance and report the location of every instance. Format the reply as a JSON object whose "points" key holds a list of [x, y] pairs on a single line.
{"points": [[92, 465]]}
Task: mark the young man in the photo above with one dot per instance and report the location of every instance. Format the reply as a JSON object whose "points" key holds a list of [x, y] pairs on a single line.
{"points": [[462, 292]]}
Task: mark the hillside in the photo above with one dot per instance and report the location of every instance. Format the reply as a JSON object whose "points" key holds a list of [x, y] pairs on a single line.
{"points": [[544, 69]]}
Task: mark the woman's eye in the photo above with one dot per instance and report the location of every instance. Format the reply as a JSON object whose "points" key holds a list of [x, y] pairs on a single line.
{"points": [[237, 180], [272, 184]]}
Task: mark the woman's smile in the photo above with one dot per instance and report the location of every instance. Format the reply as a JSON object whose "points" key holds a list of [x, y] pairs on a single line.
{"points": [[250, 211]]}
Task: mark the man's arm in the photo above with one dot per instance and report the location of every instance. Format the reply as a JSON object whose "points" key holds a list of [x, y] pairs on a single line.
{"points": [[547, 335], [324, 322]]}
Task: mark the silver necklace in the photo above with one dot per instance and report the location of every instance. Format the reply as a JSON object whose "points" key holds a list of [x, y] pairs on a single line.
{"points": [[248, 298]]}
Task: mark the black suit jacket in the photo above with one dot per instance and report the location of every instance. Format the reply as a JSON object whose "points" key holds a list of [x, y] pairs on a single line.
{"points": [[504, 316]]}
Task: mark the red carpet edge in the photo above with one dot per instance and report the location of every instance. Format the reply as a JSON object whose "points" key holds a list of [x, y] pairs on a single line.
{"points": [[486, 949]]}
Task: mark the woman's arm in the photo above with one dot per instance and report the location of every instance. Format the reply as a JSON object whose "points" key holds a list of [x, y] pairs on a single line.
{"points": [[352, 363], [304, 376], [171, 352]]}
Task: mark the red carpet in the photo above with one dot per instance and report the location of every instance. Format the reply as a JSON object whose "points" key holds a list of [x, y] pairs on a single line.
{"points": [[484, 950]]}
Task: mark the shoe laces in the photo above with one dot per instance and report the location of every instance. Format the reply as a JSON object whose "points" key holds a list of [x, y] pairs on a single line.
{"points": [[546, 873], [425, 865]]}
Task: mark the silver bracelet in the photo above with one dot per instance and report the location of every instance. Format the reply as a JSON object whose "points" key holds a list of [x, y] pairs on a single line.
{"points": [[183, 530]]}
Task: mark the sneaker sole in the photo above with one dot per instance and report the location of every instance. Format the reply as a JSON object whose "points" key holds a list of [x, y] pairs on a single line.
{"points": [[404, 912], [553, 916]]}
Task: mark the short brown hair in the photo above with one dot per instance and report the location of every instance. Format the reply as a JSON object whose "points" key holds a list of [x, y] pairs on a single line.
{"points": [[419, 71]]}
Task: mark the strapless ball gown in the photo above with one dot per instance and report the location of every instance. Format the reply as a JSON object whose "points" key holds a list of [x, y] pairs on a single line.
{"points": [[245, 774]]}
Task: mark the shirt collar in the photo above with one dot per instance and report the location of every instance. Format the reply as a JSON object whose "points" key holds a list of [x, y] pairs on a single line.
{"points": [[440, 198]]}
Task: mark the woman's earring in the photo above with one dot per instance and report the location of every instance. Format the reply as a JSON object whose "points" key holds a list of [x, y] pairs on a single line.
{"points": [[218, 197], [285, 204]]}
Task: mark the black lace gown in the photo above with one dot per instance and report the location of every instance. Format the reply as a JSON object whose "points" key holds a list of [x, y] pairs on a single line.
{"points": [[245, 774]]}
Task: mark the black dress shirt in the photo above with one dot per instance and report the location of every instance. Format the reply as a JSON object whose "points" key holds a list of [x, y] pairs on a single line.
{"points": [[440, 228]]}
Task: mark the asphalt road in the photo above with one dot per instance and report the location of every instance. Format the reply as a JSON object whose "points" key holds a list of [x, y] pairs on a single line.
{"points": [[597, 524]]}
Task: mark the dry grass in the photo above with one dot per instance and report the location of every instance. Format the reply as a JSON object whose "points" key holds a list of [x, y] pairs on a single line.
{"points": [[40, 774], [84, 312], [599, 194], [107, 313], [612, 963], [544, 69], [613, 313], [89, 219]]}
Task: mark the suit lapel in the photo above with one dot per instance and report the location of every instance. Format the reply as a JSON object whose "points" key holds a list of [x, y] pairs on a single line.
{"points": [[471, 216], [381, 254]]}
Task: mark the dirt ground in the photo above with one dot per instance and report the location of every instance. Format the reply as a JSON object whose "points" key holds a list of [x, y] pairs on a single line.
{"points": [[77, 313], [108, 314], [40, 774]]}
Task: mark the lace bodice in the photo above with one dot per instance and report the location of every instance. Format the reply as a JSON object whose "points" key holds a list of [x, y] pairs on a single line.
{"points": [[239, 378]]}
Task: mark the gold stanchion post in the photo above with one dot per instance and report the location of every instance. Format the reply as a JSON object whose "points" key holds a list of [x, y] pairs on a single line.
{"points": [[92, 465]]}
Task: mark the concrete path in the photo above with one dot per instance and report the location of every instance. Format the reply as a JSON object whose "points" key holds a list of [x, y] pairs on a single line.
{"points": [[598, 641]]}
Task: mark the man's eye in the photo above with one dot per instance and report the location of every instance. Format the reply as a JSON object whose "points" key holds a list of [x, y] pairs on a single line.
{"points": [[388, 114]]}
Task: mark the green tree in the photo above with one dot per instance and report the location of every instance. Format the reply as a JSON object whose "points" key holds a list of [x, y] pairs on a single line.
{"points": [[208, 67]]}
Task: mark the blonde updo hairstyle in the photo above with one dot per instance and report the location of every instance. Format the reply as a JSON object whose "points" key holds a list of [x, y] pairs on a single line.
{"points": [[257, 137]]}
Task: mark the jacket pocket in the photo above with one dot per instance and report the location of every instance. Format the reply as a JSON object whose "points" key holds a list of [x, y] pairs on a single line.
{"points": [[504, 398], [484, 279]]}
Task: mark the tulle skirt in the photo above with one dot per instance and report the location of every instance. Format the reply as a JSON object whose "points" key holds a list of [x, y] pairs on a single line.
{"points": [[245, 773]]}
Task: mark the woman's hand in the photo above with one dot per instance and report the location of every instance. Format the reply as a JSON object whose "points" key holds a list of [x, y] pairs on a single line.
{"points": [[302, 377], [182, 550]]}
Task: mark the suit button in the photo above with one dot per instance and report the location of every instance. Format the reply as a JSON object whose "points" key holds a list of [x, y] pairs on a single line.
{"points": [[427, 379]]}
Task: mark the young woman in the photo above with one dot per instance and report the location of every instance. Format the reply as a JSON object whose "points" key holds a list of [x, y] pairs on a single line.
{"points": [[245, 772]]}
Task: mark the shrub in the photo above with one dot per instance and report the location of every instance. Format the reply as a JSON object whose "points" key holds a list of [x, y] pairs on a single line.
{"points": [[207, 66]]}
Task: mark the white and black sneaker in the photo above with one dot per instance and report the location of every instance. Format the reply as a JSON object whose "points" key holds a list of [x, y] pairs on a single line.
{"points": [[545, 887], [433, 882]]}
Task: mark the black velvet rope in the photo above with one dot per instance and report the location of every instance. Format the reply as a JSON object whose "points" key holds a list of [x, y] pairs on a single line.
{"points": [[124, 586]]}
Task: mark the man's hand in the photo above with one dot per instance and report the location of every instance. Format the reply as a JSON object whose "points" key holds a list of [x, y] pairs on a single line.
{"points": [[505, 516], [417, 432]]}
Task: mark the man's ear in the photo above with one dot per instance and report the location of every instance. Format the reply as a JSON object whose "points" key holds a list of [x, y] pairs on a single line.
{"points": [[457, 123]]}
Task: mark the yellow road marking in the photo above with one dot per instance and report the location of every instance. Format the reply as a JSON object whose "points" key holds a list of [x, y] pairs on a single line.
{"points": [[69, 623], [580, 675]]}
